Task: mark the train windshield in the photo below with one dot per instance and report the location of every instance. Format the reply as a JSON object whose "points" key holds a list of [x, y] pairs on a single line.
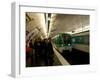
{"points": [[66, 39]]}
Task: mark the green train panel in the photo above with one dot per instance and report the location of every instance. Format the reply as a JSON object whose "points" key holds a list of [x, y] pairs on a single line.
{"points": [[63, 42], [81, 41], [84, 39]]}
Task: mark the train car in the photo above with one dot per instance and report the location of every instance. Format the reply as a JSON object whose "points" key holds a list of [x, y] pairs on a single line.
{"points": [[63, 42], [81, 41]]}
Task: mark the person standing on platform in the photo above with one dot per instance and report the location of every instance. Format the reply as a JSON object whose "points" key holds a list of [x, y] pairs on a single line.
{"points": [[37, 47], [31, 44], [49, 53], [28, 56]]}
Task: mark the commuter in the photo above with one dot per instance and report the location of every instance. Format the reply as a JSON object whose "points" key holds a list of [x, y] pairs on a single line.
{"points": [[46, 61], [49, 53], [31, 44], [37, 47], [42, 49], [28, 56], [32, 53]]}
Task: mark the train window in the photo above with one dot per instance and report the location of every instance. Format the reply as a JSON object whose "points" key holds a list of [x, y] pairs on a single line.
{"points": [[84, 39], [73, 40]]}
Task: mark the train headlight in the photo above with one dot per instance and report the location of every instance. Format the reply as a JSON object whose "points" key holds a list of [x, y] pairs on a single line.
{"points": [[68, 44]]}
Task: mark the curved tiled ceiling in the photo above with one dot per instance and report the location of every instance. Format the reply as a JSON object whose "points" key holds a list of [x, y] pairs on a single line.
{"points": [[56, 23], [36, 21], [61, 23]]}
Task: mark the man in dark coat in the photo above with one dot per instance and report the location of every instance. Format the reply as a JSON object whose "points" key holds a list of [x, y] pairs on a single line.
{"points": [[31, 44], [37, 47], [49, 53]]}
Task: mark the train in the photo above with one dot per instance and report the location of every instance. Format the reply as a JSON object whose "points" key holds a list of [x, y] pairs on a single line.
{"points": [[81, 41], [67, 42], [63, 42]]}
